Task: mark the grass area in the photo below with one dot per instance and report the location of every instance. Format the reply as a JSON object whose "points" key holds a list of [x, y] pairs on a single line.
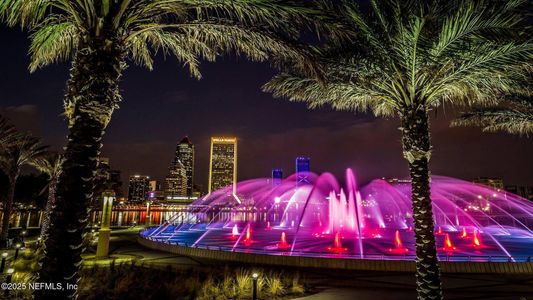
{"points": [[131, 281], [121, 277]]}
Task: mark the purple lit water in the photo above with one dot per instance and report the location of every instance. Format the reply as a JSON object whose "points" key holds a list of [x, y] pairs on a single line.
{"points": [[321, 218]]}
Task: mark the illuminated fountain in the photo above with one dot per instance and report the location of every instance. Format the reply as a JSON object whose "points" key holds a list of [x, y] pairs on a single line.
{"points": [[320, 217], [448, 246], [235, 231], [283, 242], [398, 245], [337, 245]]}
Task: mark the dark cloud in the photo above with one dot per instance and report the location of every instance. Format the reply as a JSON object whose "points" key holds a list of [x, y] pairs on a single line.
{"points": [[25, 117]]}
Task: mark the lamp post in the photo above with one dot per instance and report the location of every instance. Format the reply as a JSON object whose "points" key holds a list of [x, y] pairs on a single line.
{"points": [[254, 286], [17, 248], [102, 250], [3, 265], [148, 219], [23, 234], [9, 277]]}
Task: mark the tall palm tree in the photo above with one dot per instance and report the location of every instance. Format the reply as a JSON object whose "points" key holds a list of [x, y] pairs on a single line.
{"points": [[515, 116], [51, 166], [102, 37], [23, 151], [410, 57]]}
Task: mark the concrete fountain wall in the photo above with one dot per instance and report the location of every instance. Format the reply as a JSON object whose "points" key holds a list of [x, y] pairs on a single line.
{"points": [[338, 263]]}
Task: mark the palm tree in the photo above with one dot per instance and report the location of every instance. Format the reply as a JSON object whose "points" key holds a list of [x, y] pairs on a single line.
{"points": [[51, 166], [8, 133], [407, 58], [102, 37], [515, 117], [23, 151]]}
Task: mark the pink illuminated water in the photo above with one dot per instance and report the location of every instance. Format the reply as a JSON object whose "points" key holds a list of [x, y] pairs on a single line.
{"points": [[353, 221]]}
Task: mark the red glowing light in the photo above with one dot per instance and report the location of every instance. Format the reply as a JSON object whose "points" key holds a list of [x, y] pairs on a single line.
{"points": [[248, 237], [397, 240], [268, 228], [399, 249], [337, 245], [475, 241], [283, 242], [448, 246], [410, 229], [463, 234], [439, 231]]}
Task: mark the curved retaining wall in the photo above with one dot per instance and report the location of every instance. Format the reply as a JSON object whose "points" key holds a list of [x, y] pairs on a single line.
{"points": [[339, 263]]}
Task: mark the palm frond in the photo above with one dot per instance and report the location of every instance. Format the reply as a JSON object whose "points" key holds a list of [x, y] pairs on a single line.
{"points": [[49, 164], [56, 40], [498, 119], [8, 133], [410, 54]]}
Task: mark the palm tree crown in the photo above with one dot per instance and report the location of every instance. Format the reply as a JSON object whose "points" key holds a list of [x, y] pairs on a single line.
{"points": [[407, 55], [8, 133], [23, 150], [190, 30], [515, 117]]}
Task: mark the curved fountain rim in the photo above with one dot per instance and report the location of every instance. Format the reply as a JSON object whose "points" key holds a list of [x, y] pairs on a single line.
{"points": [[327, 255], [343, 263]]}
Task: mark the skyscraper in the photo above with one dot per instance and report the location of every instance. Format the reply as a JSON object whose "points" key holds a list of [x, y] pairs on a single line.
{"points": [[223, 163], [176, 181], [303, 168], [138, 188], [277, 177], [185, 154]]}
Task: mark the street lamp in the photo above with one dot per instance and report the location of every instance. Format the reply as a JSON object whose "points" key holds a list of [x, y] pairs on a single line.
{"points": [[3, 265], [17, 248], [254, 286], [8, 280], [23, 233]]}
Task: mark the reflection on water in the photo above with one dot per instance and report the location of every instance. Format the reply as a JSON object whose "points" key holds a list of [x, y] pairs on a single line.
{"points": [[119, 217]]}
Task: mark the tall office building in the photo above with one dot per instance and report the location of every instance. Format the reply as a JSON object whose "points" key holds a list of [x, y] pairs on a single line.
{"points": [[185, 154], [138, 188], [223, 163], [277, 177], [176, 181], [303, 169], [153, 185]]}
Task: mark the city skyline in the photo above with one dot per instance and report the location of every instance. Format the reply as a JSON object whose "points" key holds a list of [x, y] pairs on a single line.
{"points": [[142, 137]]}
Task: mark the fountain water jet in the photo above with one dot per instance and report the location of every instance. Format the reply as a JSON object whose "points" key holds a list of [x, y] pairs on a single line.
{"points": [[320, 214], [282, 245]]}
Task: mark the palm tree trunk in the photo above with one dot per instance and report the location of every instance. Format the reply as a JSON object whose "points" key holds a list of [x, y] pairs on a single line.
{"points": [[49, 207], [8, 207], [417, 150], [92, 94]]}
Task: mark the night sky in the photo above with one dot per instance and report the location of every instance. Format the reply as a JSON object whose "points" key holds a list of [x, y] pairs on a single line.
{"points": [[162, 106]]}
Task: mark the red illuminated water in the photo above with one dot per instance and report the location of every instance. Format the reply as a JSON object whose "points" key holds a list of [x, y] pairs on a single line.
{"points": [[283, 242]]}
